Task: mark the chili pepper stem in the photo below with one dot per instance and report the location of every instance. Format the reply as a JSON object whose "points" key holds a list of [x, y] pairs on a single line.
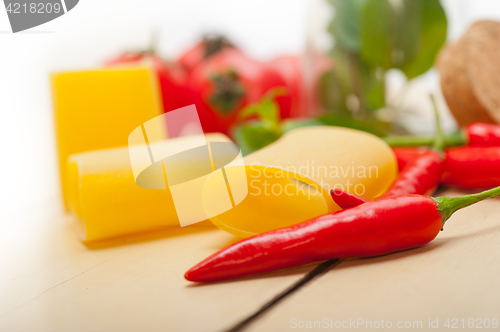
{"points": [[457, 138], [449, 205], [438, 144], [454, 139]]}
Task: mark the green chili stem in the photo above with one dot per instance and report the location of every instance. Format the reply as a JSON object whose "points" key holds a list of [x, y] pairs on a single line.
{"points": [[457, 138], [448, 205], [438, 144], [454, 139]]}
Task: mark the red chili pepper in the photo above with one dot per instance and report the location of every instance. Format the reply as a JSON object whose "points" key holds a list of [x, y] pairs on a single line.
{"points": [[375, 228], [477, 165], [345, 199], [474, 134], [483, 134], [472, 167], [421, 175], [407, 154], [468, 167]]}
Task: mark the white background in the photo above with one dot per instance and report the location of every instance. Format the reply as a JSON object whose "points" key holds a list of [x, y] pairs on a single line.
{"points": [[96, 30]]}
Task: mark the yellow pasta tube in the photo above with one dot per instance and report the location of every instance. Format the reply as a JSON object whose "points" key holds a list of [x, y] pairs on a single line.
{"points": [[98, 109], [107, 200]]}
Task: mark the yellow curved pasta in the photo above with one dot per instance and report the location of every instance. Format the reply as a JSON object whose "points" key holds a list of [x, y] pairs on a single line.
{"points": [[290, 180]]}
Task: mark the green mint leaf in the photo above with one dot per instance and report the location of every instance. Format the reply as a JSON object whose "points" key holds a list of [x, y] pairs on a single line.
{"points": [[390, 32], [253, 136], [374, 127], [346, 23], [291, 124], [433, 35]]}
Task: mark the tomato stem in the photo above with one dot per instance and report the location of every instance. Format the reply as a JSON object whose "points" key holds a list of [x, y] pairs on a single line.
{"points": [[449, 205], [214, 44], [228, 92]]}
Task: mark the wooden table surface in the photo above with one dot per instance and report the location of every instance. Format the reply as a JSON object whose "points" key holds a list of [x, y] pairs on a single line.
{"points": [[52, 282]]}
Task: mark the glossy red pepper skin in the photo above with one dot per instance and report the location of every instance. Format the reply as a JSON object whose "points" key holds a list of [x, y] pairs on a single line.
{"points": [[405, 155], [483, 134], [420, 176], [375, 228], [472, 167], [346, 200]]}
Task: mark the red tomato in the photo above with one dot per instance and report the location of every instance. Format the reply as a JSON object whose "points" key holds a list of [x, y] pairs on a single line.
{"points": [[228, 81], [171, 77], [302, 76], [209, 46], [291, 69]]}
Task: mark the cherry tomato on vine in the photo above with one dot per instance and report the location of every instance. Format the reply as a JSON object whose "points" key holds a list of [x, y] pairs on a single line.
{"points": [[228, 81]]}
